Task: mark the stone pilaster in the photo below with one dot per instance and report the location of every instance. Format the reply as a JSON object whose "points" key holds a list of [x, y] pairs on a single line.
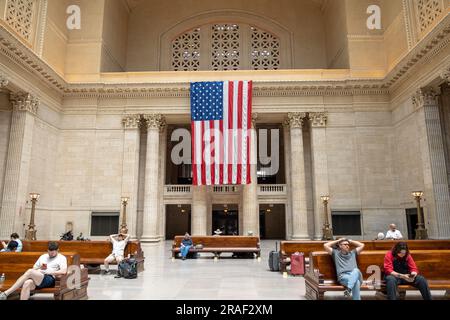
{"points": [[298, 182], [130, 169], [250, 191], [162, 179], [287, 170], [151, 203], [436, 189], [199, 210], [320, 167], [17, 171]]}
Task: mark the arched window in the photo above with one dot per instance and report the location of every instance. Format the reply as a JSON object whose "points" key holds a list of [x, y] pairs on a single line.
{"points": [[226, 46]]}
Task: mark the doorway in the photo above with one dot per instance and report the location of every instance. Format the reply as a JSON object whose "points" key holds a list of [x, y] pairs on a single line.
{"points": [[226, 218], [411, 220], [272, 221], [178, 220]]}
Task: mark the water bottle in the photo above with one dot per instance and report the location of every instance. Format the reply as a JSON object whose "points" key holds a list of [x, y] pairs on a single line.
{"points": [[2, 278]]}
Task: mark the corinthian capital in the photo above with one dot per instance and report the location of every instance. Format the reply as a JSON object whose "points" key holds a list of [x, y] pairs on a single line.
{"points": [[254, 118], [131, 121], [295, 120], [23, 101], [318, 119], [155, 121], [3, 81], [446, 75], [425, 97]]}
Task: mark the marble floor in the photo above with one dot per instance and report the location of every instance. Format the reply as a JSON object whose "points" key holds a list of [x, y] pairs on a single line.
{"points": [[205, 279]]}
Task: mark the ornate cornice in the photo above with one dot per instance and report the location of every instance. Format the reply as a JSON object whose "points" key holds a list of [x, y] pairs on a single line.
{"points": [[425, 97], [23, 101], [131, 121], [155, 121], [318, 119], [296, 119]]}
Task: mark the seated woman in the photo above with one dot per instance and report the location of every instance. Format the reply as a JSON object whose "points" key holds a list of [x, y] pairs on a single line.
{"points": [[186, 244], [400, 268]]}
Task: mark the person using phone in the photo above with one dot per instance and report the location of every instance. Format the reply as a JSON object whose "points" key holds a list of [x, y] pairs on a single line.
{"points": [[42, 275], [400, 268]]}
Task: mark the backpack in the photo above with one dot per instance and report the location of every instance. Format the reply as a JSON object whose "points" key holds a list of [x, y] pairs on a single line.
{"points": [[128, 268]]}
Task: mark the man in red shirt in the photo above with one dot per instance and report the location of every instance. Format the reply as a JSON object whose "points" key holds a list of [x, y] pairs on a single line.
{"points": [[400, 268]]}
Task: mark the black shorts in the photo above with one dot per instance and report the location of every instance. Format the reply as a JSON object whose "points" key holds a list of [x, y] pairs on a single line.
{"points": [[47, 282]]}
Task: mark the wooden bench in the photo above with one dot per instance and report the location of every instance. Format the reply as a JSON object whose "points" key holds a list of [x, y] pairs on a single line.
{"points": [[220, 244], [287, 248], [14, 265], [92, 253], [434, 265]]}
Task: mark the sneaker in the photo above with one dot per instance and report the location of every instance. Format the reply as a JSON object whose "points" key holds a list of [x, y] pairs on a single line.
{"points": [[3, 296], [348, 293], [184, 258], [118, 276], [107, 272]]}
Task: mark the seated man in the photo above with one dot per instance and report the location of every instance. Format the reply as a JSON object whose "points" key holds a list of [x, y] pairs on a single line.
{"points": [[393, 233], [119, 242], [347, 270], [11, 247], [42, 275], [14, 237], [400, 268]]}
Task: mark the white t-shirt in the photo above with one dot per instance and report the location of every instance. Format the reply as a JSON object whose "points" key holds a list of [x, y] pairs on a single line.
{"points": [[53, 264], [119, 247], [394, 234]]}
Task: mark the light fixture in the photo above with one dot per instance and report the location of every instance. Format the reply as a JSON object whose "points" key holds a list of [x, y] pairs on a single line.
{"points": [[30, 233], [268, 210], [183, 211], [34, 196], [327, 232], [421, 232]]}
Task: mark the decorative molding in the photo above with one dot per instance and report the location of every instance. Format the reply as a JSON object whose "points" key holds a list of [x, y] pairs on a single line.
{"points": [[155, 121], [131, 121], [408, 23], [296, 119], [425, 97], [318, 119], [254, 118], [42, 24], [23, 101], [3, 81]]}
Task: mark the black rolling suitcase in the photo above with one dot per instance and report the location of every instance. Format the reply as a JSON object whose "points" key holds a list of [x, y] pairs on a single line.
{"points": [[274, 259]]}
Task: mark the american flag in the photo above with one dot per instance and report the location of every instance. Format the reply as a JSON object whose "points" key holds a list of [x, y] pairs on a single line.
{"points": [[221, 114]]}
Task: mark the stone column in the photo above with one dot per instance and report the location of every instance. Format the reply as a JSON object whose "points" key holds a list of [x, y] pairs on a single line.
{"points": [[436, 190], [250, 205], [320, 168], [287, 172], [151, 204], [199, 210], [25, 107], [298, 183], [162, 180], [130, 169]]}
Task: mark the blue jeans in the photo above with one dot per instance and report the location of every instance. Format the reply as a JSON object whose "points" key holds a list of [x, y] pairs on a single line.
{"points": [[351, 280], [184, 251]]}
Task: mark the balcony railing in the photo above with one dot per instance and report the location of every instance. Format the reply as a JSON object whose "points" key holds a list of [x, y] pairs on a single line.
{"points": [[226, 189], [272, 190], [177, 190]]}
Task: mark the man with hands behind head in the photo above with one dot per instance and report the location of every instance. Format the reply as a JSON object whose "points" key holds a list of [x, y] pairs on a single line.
{"points": [[344, 260]]}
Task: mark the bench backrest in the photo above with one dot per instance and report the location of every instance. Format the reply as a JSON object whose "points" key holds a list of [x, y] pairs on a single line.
{"points": [[433, 264], [290, 247], [14, 264], [87, 249], [221, 241]]}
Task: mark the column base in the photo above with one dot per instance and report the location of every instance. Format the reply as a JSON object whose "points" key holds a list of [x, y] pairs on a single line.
{"points": [[151, 239], [300, 237], [421, 234]]}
